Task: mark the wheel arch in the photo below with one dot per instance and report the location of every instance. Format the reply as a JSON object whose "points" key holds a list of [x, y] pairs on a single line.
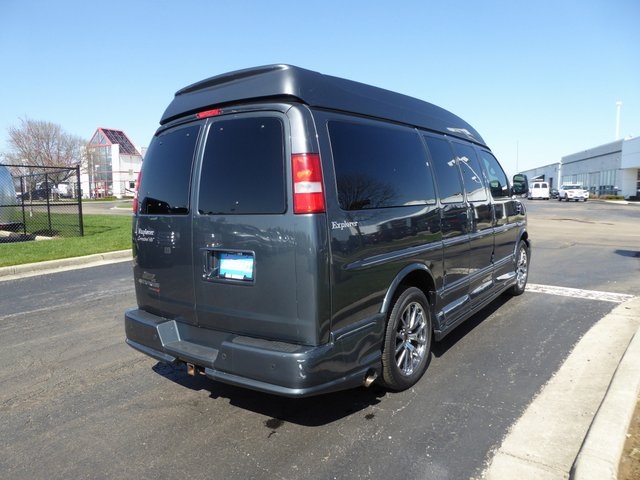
{"points": [[414, 275]]}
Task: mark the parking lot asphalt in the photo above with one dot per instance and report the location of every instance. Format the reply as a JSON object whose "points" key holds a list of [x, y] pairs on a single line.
{"points": [[574, 428]]}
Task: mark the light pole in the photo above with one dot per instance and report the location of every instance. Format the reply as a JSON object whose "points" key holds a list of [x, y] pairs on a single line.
{"points": [[618, 107]]}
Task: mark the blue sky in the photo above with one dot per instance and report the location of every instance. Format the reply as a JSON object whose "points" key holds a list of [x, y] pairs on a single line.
{"points": [[538, 80]]}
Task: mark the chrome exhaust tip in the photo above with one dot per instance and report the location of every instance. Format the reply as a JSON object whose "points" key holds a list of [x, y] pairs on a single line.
{"points": [[369, 378], [193, 370]]}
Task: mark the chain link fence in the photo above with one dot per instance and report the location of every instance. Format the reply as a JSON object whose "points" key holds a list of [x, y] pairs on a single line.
{"points": [[39, 202]]}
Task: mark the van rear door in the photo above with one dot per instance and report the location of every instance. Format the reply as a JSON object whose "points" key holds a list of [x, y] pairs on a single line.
{"points": [[245, 239], [163, 269]]}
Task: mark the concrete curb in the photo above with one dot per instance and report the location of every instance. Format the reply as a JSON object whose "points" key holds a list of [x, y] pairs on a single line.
{"points": [[600, 454], [64, 263], [546, 441]]}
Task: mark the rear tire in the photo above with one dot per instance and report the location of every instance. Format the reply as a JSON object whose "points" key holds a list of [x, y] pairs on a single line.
{"points": [[521, 269], [407, 344]]}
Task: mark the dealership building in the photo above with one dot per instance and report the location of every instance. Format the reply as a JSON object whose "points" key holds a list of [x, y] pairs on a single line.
{"points": [[112, 165], [610, 169]]}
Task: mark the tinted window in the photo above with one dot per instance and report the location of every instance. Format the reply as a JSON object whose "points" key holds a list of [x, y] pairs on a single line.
{"points": [[498, 183], [379, 166], [471, 172], [243, 167], [447, 173], [166, 172]]}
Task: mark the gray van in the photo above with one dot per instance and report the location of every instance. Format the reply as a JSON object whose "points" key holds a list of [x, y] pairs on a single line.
{"points": [[10, 213], [297, 233]]}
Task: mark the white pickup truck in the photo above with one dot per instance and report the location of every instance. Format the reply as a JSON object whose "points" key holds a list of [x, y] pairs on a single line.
{"points": [[573, 192]]}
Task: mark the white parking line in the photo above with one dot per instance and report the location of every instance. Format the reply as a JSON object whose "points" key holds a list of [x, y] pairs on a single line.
{"points": [[578, 293]]}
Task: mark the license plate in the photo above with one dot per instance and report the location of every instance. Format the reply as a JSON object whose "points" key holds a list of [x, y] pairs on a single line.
{"points": [[236, 266]]}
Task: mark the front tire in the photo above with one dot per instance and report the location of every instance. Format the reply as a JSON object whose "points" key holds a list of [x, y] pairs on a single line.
{"points": [[407, 345], [521, 269]]}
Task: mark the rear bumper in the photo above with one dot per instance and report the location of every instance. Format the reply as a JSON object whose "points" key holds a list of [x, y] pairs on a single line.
{"points": [[269, 366]]}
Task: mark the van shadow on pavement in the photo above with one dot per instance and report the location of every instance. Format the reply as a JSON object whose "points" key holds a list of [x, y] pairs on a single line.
{"points": [[318, 410], [441, 347], [311, 412]]}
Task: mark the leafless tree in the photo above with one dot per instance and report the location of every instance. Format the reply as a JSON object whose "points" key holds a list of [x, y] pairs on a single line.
{"points": [[37, 143], [359, 191]]}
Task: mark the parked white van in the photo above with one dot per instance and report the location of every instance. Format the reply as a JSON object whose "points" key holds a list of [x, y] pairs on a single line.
{"points": [[539, 190]]}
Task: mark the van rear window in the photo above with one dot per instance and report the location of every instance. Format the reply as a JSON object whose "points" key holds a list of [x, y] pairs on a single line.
{"points": [[379, 166], [243, 169], [166, 172]]}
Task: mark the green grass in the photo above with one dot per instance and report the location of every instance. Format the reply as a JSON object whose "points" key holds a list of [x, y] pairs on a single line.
{"points": [[102, 233]]}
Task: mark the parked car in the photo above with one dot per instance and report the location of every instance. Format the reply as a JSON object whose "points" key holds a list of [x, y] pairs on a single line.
{"points": [[553, 193], [573, 191], [36, 194], [43, 190], [298, 234]]}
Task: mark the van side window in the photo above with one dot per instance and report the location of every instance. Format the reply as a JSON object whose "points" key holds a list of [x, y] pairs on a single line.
{"points": [[379, 166], [166, 172], [447, 173], [471, 172], [498, 183], [243, 167]]}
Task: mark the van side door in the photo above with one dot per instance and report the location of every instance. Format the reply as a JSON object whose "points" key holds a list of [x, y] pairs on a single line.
{"points": [[509, 217], [481, 241], [455, 227]]}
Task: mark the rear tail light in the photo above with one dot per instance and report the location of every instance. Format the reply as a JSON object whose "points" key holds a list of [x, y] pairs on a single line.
{"points": [[135, 194], [308, 194]]}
